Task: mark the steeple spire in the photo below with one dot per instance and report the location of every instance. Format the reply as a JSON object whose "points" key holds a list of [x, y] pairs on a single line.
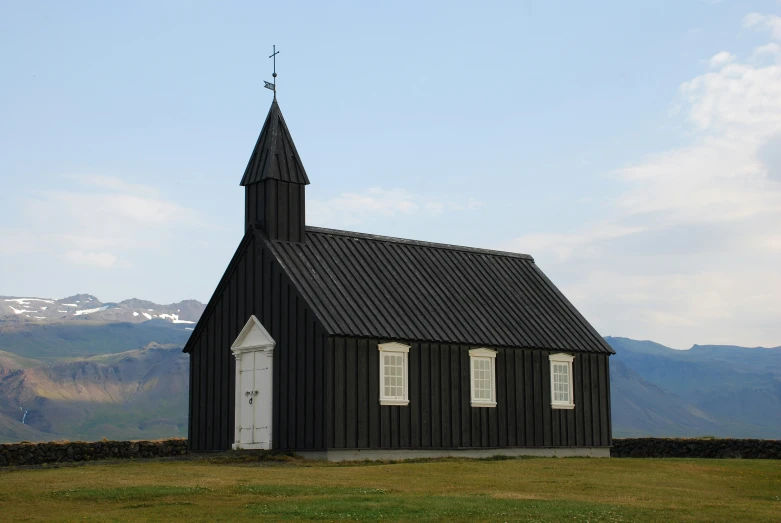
{"points": [[275, 181], [275, 156]]}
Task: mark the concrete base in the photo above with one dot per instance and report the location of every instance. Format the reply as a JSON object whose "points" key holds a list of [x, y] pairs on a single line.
{"points": [[251, 446], [400, 454]]}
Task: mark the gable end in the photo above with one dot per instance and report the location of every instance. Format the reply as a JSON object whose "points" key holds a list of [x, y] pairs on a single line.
{"points": [[209, 310]]}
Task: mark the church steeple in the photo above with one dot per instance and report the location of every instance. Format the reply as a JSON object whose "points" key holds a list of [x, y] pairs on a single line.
{"points": [[275, 181]]}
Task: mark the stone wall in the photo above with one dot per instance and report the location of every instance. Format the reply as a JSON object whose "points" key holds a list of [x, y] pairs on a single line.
{"points": [[696, 448], [65, 451], [62, 452]]}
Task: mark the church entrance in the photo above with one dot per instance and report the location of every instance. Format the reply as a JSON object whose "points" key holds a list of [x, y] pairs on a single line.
{"points": [[254, 353]]}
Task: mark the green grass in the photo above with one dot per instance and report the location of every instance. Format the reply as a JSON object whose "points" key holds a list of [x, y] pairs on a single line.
{"points": [[379, 505], [537, 489], [127, 493]]}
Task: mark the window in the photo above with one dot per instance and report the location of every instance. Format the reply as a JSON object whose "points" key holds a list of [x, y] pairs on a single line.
{"points": [[561, 381], [482, 365], [393, 374]]}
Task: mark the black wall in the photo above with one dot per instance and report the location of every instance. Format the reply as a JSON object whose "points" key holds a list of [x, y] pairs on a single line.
{"points": [[326, 390], [439, 414], [278, 207], [254, 284]]}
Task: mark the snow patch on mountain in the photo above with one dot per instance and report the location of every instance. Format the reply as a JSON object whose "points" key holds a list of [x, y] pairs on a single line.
{"points": [[23, 301], [81, 306], [174, 318], [90, 311]]}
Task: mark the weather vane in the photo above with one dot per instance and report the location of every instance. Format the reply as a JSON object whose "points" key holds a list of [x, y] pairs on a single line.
{"points": [[273, 86]]}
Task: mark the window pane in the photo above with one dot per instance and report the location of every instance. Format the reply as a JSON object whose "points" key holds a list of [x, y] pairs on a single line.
{"points": [[561, 382], [393, 376], [481, 378]]}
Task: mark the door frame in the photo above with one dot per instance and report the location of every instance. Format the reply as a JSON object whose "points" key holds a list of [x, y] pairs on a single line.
{"points": [[252, 338]]}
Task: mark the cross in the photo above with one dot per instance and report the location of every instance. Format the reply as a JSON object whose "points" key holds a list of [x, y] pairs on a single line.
{"points": [[274, 56]]}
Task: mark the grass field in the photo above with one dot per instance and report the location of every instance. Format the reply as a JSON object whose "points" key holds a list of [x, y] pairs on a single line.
{"points": [[534, 489]]}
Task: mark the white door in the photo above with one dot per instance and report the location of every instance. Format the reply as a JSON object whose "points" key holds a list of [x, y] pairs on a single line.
{"points": [[261, 434], [254, 352], [246, 395]]}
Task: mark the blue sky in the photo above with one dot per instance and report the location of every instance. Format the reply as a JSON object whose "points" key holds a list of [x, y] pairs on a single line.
{"points": [[631, 147]]}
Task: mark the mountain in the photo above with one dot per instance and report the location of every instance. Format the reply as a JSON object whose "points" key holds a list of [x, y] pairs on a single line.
{"points": [[641, 408], [81, 307], [10, 361], [78, 368], [14, 430], [60, 340], [721, 391], [135, 394], [72, 368]]}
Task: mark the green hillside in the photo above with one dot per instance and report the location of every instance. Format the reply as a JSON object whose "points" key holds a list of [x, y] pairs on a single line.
{"points": [[74, 340], [11, 361]]}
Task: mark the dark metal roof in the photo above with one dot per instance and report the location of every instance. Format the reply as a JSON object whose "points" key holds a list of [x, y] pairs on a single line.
{"points": [[374, 286], [275, 156]]}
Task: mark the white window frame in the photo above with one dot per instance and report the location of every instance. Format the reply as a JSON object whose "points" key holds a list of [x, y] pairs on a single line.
{"points": [[482, 354], [559, 359], [396, 348]]}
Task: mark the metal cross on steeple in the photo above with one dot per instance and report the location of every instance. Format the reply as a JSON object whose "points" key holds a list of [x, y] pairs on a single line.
{"points": [[273, 86]]}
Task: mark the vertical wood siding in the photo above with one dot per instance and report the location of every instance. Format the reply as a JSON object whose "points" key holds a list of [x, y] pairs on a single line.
{"points": [[258, 286], [439, 414], [278, 207]]}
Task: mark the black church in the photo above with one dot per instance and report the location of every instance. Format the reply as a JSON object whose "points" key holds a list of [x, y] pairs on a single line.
{"points": [[342, 345]]}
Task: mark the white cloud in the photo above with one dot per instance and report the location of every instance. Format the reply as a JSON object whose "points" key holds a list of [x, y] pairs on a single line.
{"points": [[586, 243], [352, 208], [720, 307], [737, 95], [17, 242], [772, 49], [720, 59], [758, 20], [118, 206], [103, 260], [114, 184], [691, 250], [100, 221], [717, 179]]}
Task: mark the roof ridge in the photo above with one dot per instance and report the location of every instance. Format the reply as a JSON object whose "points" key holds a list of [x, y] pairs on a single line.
{"points": [[420, 243]]}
